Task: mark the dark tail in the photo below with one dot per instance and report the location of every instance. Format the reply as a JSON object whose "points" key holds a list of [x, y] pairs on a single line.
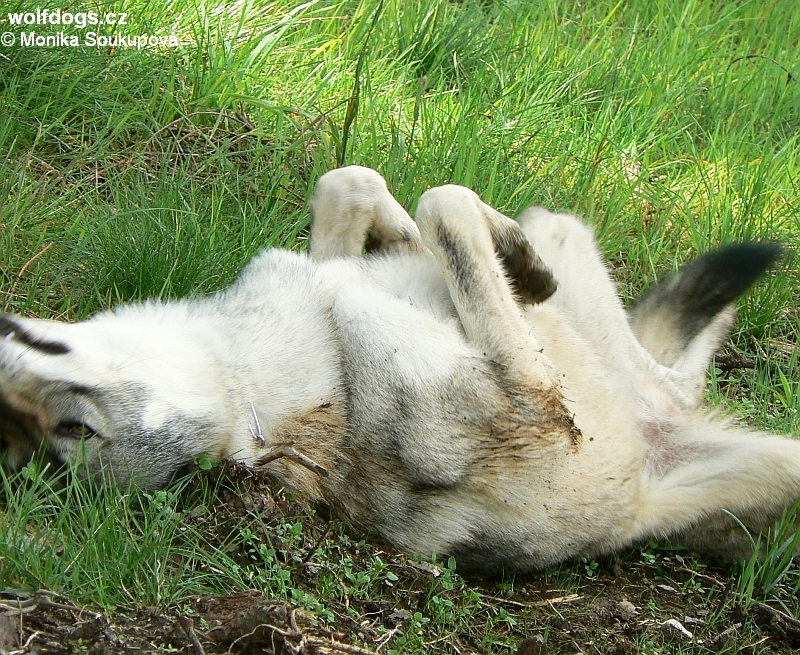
{"points": [[677, 309]]}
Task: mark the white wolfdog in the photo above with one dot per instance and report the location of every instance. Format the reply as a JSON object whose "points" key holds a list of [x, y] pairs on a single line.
{"points": [[475, 387]]}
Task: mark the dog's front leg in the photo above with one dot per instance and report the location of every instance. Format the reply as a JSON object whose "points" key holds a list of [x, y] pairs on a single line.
{"points": [[352, 210], [474, 244]]}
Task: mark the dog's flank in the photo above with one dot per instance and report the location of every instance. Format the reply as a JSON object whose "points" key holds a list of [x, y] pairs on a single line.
{"points": [[474, 387]]}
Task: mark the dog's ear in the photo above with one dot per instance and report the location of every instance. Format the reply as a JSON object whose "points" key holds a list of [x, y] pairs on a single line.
{"points": [[683, 319]]}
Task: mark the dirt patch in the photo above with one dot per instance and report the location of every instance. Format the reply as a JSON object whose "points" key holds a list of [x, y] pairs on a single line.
{"points": [[343, 594], [619, 615], [243, 623]]}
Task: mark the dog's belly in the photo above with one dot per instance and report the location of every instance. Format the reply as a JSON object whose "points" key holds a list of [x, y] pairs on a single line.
{"points": [[416, 278], [448, 456]]}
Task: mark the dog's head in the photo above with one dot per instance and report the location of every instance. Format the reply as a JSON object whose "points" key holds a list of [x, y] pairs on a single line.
{"points": [[132, 392]]}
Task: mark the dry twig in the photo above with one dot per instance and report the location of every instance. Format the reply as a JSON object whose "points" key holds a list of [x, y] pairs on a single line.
{"points": [[188, 627], [288, 451]]}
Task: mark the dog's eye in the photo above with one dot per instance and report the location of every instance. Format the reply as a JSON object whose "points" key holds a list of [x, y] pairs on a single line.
{"points": [[76, 430]]}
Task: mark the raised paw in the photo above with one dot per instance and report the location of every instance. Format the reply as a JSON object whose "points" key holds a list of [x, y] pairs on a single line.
{"points": [[530, 279], [352, 211]]}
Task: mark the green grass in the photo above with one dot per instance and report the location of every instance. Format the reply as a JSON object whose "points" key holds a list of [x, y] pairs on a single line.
{"points": [[672, 125], [60, 540]]}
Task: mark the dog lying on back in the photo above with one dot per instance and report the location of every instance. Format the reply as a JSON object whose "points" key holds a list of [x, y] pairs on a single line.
{"points": [[473, 386]]}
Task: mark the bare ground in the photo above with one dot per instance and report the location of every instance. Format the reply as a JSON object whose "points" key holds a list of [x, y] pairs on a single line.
{"points": [[650, 601]]}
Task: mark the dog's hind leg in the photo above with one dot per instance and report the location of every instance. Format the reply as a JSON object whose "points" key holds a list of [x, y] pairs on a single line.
{"points": [[586, 293], [588, 296], [701, 471], [352, 210], [673, 330]]}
